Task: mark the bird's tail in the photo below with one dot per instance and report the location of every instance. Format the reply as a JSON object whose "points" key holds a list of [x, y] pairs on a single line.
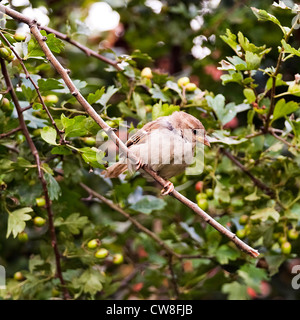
{"points": [[115, 170]]}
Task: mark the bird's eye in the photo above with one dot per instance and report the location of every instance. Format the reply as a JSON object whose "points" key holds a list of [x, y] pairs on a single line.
{"points": [[194, 131]]}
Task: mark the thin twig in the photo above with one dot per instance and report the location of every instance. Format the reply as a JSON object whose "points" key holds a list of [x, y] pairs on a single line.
{"points": [[27, 74], [256, 181], [40, 175], [110, 132], [9, 133], [173, 278], [282, 139], [274, 77], [130, 218], [86, 50]]}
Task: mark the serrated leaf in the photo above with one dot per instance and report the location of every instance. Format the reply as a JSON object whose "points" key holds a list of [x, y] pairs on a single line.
{"points": [[110, 91], [157, 93], [16, 221], [289, 49], [49, 134], [264, 214], [61, 150], [75, 127], [160, 110], [253, 60], [92, 156], [74, 222], [53, 187], [49, 84], [147, 204], [282, 109], [94, 97], [225, 253], [235, 291]]}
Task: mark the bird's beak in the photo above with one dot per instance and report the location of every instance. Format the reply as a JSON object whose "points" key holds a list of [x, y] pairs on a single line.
{"points": [[204, 140]]}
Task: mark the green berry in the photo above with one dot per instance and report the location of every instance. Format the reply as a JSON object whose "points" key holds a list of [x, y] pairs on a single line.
{"points": [[118, 258], [19, 37], [18, 276], [241, 233], [147, 73], [23, 237], [293, 234], [4, 53], [201, 195], [40, 202], [182, 82], [210, 193], [202, 203], [92, 244], [39, 221], [243, 219], [89, 141], [101, 253], [286, 247], [190, 87], [51, 98]]}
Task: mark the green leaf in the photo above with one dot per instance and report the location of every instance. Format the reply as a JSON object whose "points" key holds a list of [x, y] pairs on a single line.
{"points": [[29, 93], [139, 105], [74, 222], [235, 291], [16, 221], [111, 90], [147, 204], [94, 97], [282, 109], [91, 281], [49, 135], [160, 110], [34, 49], [93, 156], [289, 49], [157, 93], [75, 127], [225, 253], [53, 187], [61, 150], [250, 95], [253, 60], [230, 39], [232, 76], [263, 15], [224, 113], [252, 276], [49, 84], [265, 214], [56, 45]]}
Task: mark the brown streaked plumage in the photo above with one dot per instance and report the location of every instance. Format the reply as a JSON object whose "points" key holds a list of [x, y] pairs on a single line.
{"points": [[161, 144]]}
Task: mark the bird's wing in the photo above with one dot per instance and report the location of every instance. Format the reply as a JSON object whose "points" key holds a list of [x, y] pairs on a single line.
{"points": [[141, 135]]}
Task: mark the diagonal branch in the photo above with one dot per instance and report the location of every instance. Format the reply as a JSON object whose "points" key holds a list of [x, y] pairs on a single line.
{"points": [[109, 131], [40, 175], [9, 133], [86, 50], [256, 181], [35, 87]]}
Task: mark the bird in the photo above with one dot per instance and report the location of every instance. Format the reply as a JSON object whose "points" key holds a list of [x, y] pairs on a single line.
{"points": [[167, 144]]}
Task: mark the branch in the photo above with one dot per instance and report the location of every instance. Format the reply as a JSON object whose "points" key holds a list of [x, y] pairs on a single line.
{"points": [[109, 131], [274, 77], [256, 181], [131, 219], [62, 140], [9, 133], [40, 175], [272, 131], [86, 50]]}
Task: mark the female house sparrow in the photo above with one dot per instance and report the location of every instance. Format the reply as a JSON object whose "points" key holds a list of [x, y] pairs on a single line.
{"points": [[166, 144]]}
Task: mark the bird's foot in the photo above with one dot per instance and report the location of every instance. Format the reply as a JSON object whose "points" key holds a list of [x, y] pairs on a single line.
{"points": [[139, 165], [168, 188]]}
